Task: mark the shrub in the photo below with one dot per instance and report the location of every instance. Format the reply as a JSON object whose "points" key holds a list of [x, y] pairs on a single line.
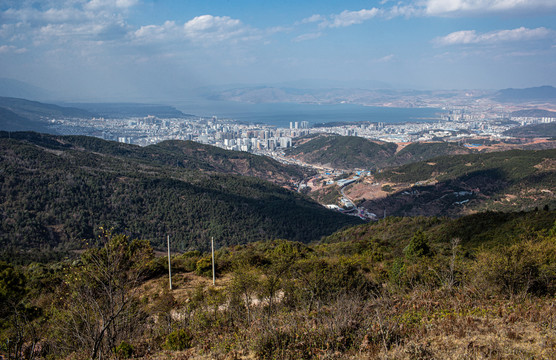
{"points": [[123, 351], [204, 266], [178, 340], [418, 246], [527, 267]]}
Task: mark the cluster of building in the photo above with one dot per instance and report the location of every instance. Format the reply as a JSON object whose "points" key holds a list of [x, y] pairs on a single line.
{"points": [[528, 120], [452, 125]]}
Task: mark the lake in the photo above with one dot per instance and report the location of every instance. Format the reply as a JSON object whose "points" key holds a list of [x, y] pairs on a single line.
{"points": [[280, 114]]}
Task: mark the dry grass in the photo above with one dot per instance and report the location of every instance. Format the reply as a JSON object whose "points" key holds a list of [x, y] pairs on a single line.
{"points": [[418, 325]]}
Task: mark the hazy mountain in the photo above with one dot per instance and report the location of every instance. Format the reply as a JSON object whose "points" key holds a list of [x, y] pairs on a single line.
{"points": [[10, 121], [533, 113], [20, 89], [541, 93], [39, 111], [122, 110]]}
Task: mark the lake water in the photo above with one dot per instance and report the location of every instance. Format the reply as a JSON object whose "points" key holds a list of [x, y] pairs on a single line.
{"points": [[280, 114]]}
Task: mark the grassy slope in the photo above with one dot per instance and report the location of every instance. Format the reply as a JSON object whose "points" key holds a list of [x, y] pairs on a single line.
{"points": [[343, 299], [488, 229]]}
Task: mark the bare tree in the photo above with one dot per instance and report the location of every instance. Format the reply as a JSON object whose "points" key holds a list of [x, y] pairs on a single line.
{"points": [[100, 292]]}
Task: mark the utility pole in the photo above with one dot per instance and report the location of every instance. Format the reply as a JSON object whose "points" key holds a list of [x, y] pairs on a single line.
{"points": [[169, 264], [212, 248]]}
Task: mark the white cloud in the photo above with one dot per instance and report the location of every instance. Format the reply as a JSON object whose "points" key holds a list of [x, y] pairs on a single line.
{"points": [[103, 4], [11, 49], [213, 28], [461, 7], [6, 48], [308, 36], [149, 33], [471, 37], [67, 22], [386, 58], [406, 11], [204, 29], [347, 18], [312, 19]]}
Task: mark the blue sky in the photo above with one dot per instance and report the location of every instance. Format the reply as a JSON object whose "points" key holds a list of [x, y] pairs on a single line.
{"points": [[138, 49]]}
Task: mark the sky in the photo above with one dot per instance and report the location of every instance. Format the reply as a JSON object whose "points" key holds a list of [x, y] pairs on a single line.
{"points": [[156, 49]]}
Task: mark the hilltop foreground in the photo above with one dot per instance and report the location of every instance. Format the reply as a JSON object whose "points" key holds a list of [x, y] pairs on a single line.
{"points": [[480, 287]]}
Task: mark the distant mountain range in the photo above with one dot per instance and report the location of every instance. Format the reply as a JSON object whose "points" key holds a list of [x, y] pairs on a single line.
{"points": [[536, 94], [20, 89], [377, 97], [10, 121], [533, 113], [38, 111], [25, 115], [123, 110], [21, 114]]}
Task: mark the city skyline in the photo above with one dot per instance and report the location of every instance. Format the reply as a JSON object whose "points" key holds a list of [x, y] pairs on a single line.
{"points": [[150, 49]]}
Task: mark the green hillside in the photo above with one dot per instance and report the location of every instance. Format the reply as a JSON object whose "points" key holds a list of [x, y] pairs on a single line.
{"points": [[533, 113], [350, 152], [56, 191], [344, 152], [420, 151], [454, 185], [199, 156], [534, 130], [182, 154], [478, 287], [513, 165], [476, 231]]}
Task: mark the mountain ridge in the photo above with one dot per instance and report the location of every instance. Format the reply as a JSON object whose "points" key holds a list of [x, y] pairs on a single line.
{"points": [[56, 192]]}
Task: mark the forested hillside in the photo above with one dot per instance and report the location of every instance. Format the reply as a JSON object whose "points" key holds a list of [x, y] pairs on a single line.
{"points": [[57, 191], [534, 130], [350, 152], [454, 185], [343, 152]]}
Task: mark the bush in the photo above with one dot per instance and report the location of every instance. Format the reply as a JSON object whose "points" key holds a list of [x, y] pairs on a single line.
{"points": [[527, 267], [179, 340], [418, 246], [123, 351], [204, 266]]}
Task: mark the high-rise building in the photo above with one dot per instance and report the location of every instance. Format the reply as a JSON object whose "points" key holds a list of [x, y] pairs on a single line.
{"points": [[285, 142]]}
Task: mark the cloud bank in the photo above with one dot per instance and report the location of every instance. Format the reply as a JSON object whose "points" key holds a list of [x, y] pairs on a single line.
{"points": [[494, 37]]}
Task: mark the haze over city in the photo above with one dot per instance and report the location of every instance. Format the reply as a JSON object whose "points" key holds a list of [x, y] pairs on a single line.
{"points": [[144, 50]]}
